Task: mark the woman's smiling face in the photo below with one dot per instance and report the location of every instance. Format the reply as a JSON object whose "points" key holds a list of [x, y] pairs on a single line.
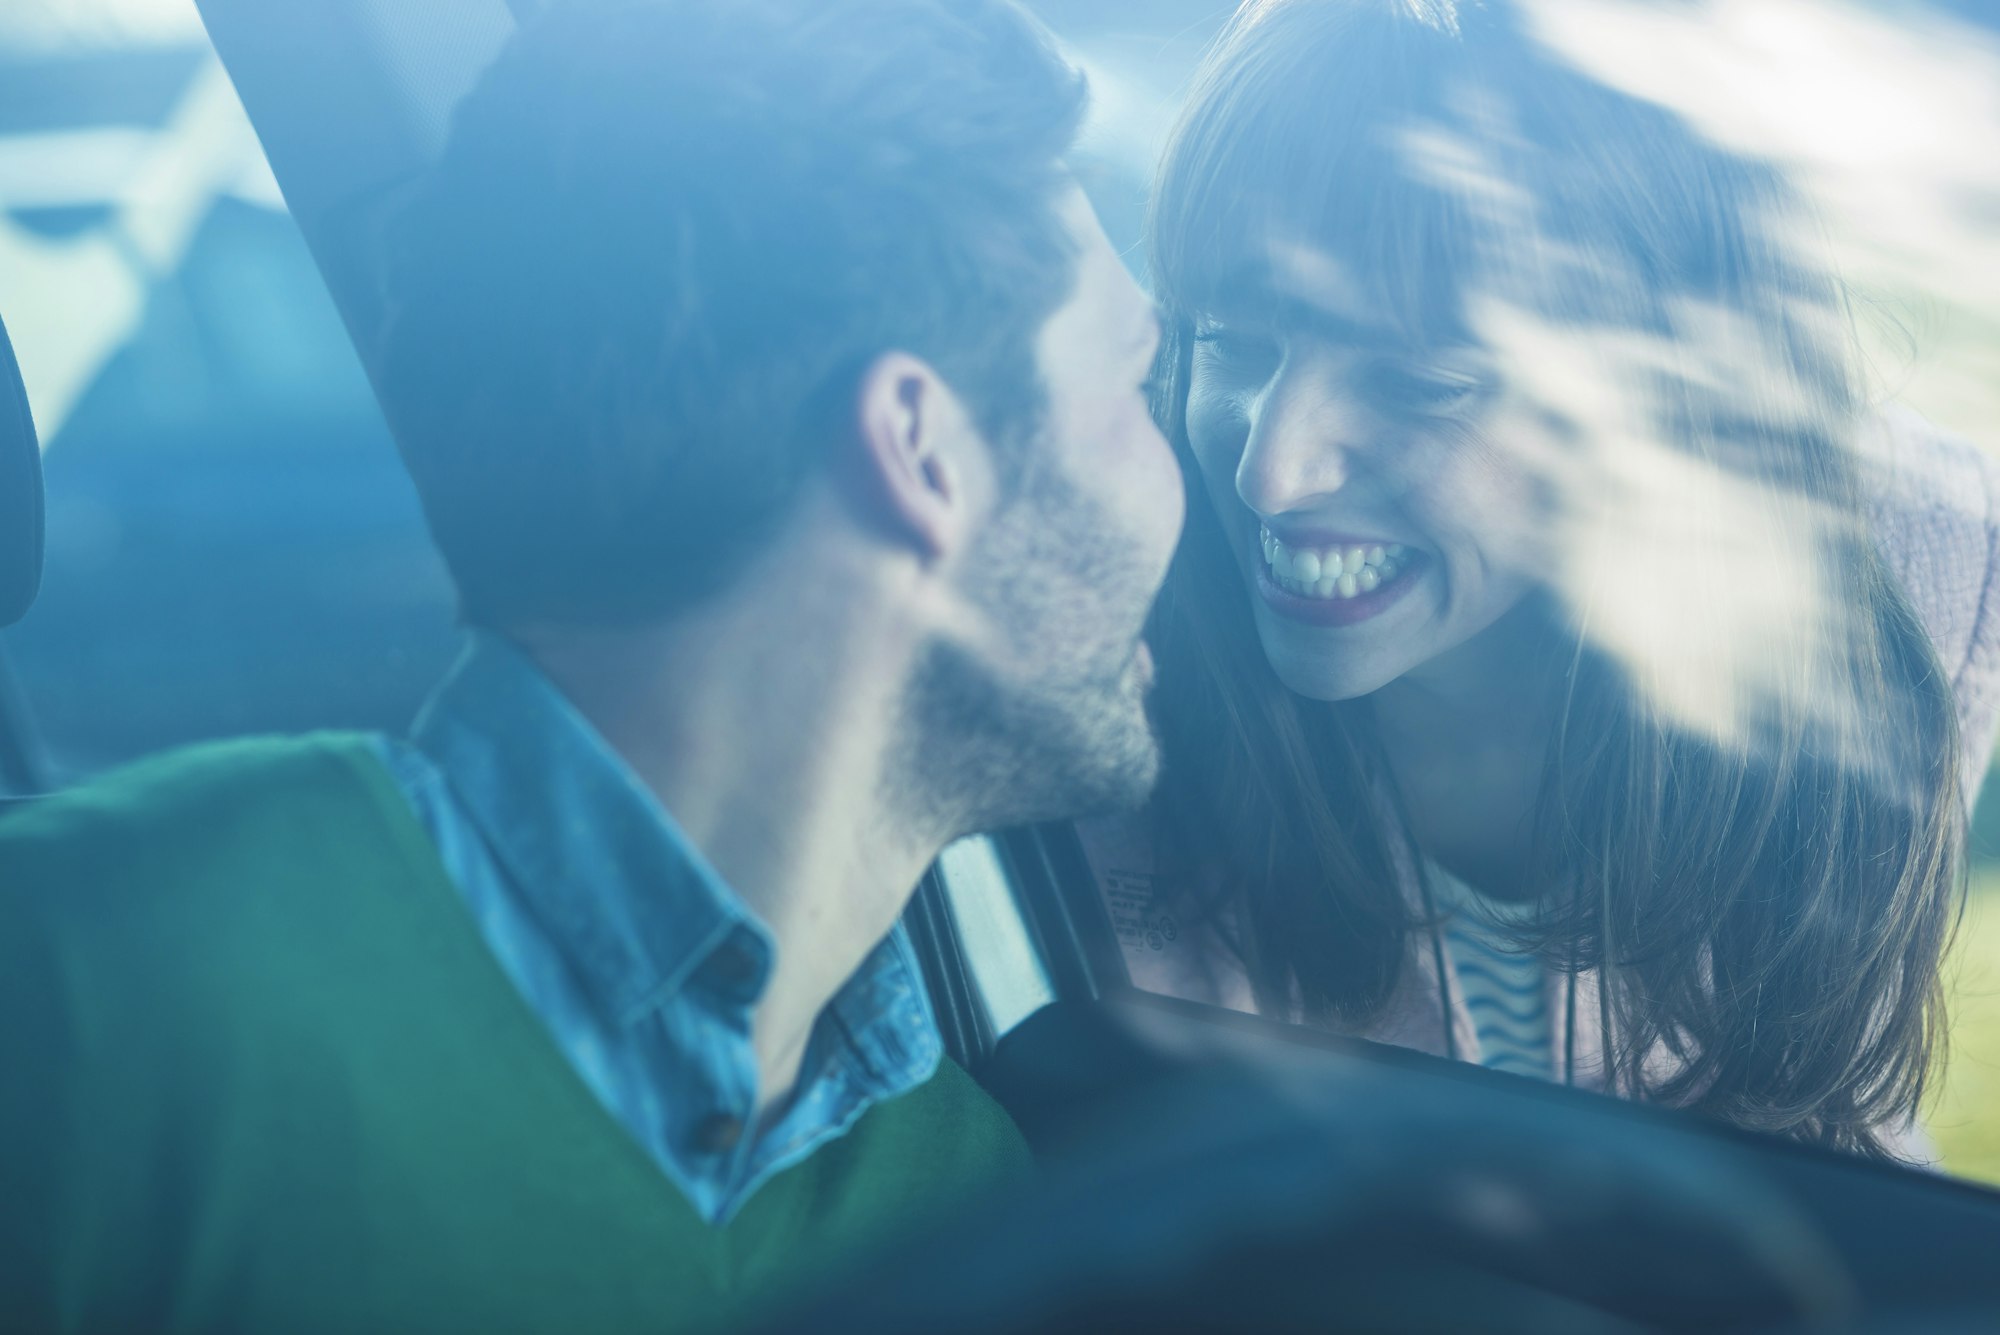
{"points": [[1376, 524]]}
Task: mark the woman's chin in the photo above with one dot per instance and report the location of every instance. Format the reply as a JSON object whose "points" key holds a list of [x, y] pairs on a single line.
{"points": [[1312, 671]]}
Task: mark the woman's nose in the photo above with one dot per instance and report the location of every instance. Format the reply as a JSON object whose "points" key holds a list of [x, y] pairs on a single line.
{"points": [[1304, 431]]}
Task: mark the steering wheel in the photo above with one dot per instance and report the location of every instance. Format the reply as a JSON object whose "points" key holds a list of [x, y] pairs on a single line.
{"points": [[1244, 1193]]}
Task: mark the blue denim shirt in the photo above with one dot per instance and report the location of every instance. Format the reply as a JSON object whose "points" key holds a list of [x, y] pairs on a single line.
{"points": [[642, 962]]}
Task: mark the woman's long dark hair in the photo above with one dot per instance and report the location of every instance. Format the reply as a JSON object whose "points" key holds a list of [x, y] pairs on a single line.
{"points": [[1767, 910]]}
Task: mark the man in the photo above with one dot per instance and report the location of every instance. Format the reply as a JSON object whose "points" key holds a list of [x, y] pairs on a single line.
{"points": [[778, 407]]}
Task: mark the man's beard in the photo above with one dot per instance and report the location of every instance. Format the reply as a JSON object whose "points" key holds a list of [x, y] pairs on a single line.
{"points": [[1066, 738]]}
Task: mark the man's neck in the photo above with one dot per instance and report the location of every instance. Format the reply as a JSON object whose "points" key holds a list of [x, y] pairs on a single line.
{"points": [[770, 758]]}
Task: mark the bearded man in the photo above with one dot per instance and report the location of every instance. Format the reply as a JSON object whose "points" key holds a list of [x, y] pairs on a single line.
{"points": [[778, 407]]}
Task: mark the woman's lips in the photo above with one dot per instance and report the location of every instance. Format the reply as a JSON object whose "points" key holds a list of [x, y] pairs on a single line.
{"points": [[1335, 611]]}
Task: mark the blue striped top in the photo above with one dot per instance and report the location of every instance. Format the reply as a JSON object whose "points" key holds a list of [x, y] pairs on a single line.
{"points": [[1504, 988]]}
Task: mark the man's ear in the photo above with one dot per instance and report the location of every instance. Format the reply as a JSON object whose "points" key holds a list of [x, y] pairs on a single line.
{"points": [[920, 459]]}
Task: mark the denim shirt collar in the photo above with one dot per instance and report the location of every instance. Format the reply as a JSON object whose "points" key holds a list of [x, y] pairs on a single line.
{"points": [[617, 886], [611, 878]]}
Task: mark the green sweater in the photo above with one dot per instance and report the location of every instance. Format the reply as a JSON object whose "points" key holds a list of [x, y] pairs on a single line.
{"points": [[261, 1073]]}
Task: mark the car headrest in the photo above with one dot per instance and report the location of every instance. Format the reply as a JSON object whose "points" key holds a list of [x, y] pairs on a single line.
{"points": [[20, 492]]}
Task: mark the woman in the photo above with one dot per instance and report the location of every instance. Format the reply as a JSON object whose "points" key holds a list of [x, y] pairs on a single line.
{"points": [[1566, 672]]}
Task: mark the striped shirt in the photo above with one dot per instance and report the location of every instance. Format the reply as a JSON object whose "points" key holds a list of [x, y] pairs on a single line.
{"points": [[1504, 987]]}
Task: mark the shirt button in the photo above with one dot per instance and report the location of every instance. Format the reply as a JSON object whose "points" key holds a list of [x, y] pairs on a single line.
{"points": [[718, 1133], [732, 966]]}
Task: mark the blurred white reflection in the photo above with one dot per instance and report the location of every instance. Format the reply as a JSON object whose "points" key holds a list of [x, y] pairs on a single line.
{"points": [[1709, 587], [32, 26], [140, 182], [1888, 120]]}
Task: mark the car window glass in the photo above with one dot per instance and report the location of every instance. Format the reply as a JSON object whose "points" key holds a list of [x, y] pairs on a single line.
{"points": [[233, 547]]}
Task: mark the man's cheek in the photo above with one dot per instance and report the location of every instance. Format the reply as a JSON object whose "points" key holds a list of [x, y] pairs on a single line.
{"points": [[1216, 462], [1173, 499], [1156, 479]]}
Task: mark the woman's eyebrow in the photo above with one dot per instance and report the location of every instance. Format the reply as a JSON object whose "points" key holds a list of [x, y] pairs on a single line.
{"points": [[1250, 293], [1292, 313]]}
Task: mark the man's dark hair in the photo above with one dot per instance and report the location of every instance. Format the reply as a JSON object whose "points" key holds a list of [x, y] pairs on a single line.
{"points": [[634, 298]]}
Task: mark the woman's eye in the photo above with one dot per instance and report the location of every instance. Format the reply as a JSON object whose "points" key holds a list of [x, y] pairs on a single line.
{"points": [[1237, 351], [1432, 391]]}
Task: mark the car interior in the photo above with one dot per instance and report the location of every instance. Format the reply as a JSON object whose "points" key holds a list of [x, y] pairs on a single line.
{"points": [[1025, 970]]}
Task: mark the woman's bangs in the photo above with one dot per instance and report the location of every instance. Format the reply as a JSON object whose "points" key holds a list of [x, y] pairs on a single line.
{"points": [[1287, 196]]}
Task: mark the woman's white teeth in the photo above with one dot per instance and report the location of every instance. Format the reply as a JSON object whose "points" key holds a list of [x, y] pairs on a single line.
{"points": [[1332, 572]]}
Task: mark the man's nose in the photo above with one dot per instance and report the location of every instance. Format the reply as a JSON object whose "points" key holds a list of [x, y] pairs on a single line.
{"points": [[1305, 430]]}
